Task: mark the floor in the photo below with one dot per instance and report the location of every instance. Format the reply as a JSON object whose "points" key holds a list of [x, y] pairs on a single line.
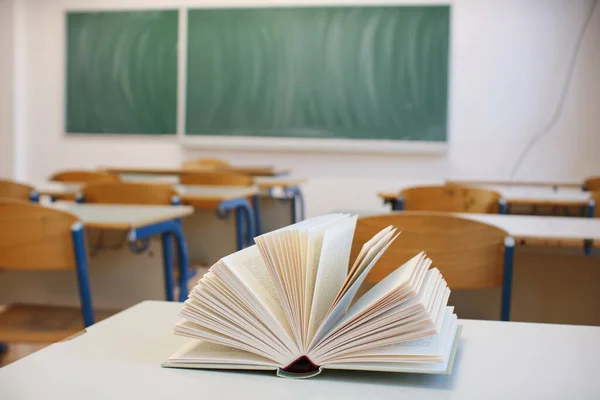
{"points": [[20, 350]]}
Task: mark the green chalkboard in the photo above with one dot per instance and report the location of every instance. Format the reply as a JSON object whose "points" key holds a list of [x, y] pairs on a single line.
{"points": [[319, 72], [122, 72]]}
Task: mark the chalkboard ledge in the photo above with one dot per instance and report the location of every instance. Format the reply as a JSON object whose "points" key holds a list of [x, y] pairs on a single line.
{"points": [[356, 146]]}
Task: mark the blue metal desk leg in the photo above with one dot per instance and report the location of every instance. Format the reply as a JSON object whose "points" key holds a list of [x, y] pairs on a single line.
{"points": [[509, 254], [182, 260], [167, 248], [81, 267]]}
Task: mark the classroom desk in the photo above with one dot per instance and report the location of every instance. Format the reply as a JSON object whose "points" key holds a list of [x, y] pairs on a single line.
{"points": [[525, 196], [271, 189], [546, 184], [556, 270], [142, 222], [120, 357], [223, 199], [248, 170]]}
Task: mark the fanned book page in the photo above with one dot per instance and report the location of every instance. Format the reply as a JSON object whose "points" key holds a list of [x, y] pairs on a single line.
{"points": [[288, 304]]}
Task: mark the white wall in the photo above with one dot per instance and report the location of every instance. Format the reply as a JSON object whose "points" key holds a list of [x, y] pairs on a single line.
{"points": [[6, 88], [509, 60]]}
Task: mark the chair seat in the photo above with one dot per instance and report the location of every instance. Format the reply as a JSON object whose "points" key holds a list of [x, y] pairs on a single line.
{"points": [[21, 323]]}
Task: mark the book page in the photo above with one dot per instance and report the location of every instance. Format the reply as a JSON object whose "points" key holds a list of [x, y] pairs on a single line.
{"points": [[203, 352], [314, 237], [337, 312], [370, 252], [332, 270]]}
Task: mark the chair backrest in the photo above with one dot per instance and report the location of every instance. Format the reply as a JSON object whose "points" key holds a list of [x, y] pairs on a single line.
{"points": [[206, 163], [81, 176], [128, 193], [469, 254], [35, 237], [592, 183], [14, 190], [216, 178], [451, 198], [595, 195]]}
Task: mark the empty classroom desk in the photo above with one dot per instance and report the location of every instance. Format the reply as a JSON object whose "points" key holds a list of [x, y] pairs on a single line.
{"points": [[118, 277], [514, 183], [534, 196], [120, 358]]}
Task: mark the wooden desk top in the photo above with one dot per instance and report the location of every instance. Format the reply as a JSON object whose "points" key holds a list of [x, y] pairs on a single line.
{"points": [[250, 170], [120, 357], [122, 217]]}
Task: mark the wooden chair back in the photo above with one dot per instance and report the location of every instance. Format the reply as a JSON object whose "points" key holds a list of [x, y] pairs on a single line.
{"points": [[469, 254], [595, 196], [128, 193], [592, 183], [81, 176], [14, 190], [35, 237], [210, 163], [216, 178], [451, 198]]}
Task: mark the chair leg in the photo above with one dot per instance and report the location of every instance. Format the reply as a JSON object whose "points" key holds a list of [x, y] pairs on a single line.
{"points": [[509, 254], [182, 260], [167, 250], [83, 281]]}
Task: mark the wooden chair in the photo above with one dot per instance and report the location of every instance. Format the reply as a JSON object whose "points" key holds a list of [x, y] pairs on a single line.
{"points": [[216, 178], [469, 254], [16, 191], [39, 238], [211, 163], [128, 193], [450, 198], [592, 183], [81, 176]]}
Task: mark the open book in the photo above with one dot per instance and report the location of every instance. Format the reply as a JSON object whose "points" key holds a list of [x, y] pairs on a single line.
{"points": [[288, 304]]}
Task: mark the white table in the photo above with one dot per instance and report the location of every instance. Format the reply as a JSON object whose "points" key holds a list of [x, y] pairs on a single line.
{"points": [[531, 229], [120, 358]]}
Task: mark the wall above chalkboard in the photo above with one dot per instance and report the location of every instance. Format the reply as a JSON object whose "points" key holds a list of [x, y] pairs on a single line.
{"points": [[331, 77]]}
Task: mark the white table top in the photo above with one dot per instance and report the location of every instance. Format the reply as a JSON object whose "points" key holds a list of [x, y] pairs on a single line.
{"points": [[216, 192], [112, 216], [120, 358], [539, 194], [62, 189], [52, 188], [525, 227], [531, 226]]}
